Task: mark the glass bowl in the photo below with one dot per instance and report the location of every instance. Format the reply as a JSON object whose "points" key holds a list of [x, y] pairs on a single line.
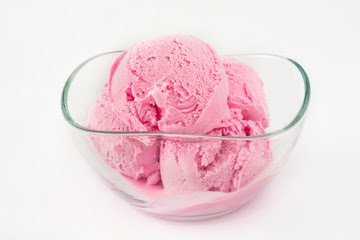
{"points": [[287, 91]]}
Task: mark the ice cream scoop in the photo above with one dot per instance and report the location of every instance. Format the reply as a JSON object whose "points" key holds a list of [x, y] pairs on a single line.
{"points": [[216, 165], [134, 157], [172, 84], [246, 91]]}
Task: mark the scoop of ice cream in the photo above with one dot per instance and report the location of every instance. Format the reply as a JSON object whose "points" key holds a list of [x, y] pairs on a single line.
{"points": [[134, 157], [246, 91], [173, 84], [222, 165], [214, 165]]}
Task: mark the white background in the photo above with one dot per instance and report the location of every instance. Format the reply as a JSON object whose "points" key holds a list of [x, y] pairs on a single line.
{"points": [[47, 190]]}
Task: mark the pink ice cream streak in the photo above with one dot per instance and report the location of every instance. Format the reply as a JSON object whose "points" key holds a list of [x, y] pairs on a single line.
{"points": [[179, 84]]}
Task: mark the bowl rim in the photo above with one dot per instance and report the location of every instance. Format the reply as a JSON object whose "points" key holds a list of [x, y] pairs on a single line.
{"points": [[295, 121]]}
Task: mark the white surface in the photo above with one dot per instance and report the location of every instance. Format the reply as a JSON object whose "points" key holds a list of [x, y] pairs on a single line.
{"points": [[47, 191]]}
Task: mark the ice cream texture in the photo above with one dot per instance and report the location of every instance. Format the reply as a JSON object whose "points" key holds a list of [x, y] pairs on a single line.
{"points": [[217, 165], [179, 84], [173, 83]]}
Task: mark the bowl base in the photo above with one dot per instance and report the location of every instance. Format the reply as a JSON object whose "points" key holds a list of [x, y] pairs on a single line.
{"points": [[192, 218]]}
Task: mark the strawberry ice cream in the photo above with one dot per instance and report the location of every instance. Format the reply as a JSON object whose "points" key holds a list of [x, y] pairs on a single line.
{"points": [[135, 157], [173, 84], [216, 165], [179, 84], [246, 92]]}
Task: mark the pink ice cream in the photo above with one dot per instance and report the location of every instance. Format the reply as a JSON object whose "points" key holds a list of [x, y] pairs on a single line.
{"points": [[217, 165], [178, 84], [173, 84], [134, 157], [246, 92]]}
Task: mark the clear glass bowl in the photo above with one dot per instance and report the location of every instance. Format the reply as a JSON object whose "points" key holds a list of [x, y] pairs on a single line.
{"points": [[287, 90]]}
